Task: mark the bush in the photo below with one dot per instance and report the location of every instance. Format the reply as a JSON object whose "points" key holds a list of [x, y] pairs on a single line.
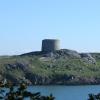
{"points": [[21, 93], [94, 97]]}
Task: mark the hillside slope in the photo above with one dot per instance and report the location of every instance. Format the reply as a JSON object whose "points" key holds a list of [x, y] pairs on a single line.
{"points": [[66, 67]]}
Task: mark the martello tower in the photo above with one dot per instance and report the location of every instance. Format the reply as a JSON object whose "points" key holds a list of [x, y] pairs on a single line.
{"points": [[50, 45]]}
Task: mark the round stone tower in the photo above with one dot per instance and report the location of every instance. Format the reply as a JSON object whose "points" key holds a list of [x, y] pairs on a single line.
{"points": [[50, 45]]}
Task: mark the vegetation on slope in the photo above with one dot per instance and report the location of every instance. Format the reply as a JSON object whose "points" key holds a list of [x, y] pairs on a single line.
{"points": [[59, 67]]}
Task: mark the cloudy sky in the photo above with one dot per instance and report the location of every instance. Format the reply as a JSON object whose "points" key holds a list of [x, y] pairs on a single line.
{"points": [[25, 23]]}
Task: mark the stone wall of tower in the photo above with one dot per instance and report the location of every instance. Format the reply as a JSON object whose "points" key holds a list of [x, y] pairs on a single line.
{"points": [[50, 45]]}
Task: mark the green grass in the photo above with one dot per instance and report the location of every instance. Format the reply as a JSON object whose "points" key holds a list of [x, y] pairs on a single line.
{"points": [[61, 66]]}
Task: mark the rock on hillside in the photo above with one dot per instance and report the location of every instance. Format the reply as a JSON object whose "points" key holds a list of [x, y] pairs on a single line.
{"points": [[87, 57]]}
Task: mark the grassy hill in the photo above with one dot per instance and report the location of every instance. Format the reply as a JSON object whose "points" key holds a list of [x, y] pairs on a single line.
{"points": [[65, 67]]}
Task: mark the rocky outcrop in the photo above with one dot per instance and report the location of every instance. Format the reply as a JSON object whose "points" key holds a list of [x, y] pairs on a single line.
{"points": [[64, 53], [57, 53], [87, 57]]}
